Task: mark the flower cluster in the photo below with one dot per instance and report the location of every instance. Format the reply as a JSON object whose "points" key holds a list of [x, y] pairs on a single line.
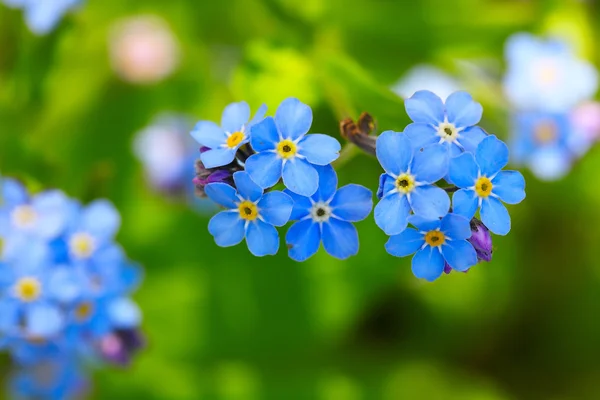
{"points": [[43, 15], [258, 154], [65, 290], [548, 87]]}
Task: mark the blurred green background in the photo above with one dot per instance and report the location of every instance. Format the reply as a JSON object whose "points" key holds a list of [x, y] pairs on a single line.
{"points": [[222, 324]]}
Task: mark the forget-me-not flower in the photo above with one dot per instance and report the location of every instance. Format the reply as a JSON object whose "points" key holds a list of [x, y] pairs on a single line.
{"points": [[225, 140], [285, 150], [407, 184], [436, 243], [250, 214], [483, 185], [43, 15], [451, 124], [326, 216]]}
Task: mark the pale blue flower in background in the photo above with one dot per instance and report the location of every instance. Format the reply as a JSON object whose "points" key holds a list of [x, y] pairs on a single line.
{"points": [[42, 16], [426, 77]]}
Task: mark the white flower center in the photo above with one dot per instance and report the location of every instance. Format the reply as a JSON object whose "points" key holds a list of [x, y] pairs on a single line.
{"points": [[82, 245], [23, 217], [447, 132], [320, 211]]}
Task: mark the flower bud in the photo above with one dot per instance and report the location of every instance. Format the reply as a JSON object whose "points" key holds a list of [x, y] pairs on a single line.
{"points": [[481, 239], [204, 176], [359, 132], [119, 346]]}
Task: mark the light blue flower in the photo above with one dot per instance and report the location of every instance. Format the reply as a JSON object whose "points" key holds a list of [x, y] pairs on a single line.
{"points": [[483, 185], [407, 184], [451, 124], [250, 214], [225, 140], [284, 150], [435, 243], [43, 15], [326, 216], [546, 75]]}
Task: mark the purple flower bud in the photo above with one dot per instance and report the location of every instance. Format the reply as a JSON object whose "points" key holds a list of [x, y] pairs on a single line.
{"points": [[119, 346], [204, 176], [481, 239]]}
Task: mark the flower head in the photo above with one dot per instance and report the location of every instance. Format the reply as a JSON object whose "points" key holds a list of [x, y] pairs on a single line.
{"points": [[483, 185], [223, 142], [436, 243], [450, 124], [285, 150], [481, 239], [250, 214], [407, 182], [326, 217]]}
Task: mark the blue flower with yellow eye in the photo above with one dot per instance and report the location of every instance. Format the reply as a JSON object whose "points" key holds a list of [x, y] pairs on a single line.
{"points": [[451, 124], [483, 185], [285, 150], [250, 214], [326, 217], [408, 182], [43, 15], [435, 243], [224, 141]]}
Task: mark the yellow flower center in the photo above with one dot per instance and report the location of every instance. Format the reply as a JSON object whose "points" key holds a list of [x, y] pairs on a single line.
{"points": [[483, 187], [82, 245], [546, 132], [23, 216], [28, 289], [234, 139], [447, 132], [547, 71], [248, 210], [435, 238], [286, 149], [405, 183], [84, 311]]}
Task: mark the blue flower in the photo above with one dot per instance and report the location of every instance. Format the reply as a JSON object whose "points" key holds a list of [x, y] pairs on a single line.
{"points": [[407, 183], [224, 141], [43, 15], [249, 214], [546, 74], [483, 185], [284, 149], [546, 142], [451, 124], [436, 243], [326, 216]]}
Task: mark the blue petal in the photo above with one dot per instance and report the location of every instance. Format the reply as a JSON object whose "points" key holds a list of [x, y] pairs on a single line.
{"points": [[421, 135], [491, 155], [13, 193], [275, 208], [293, 118], [509, 186], [385, 185], [43, 320], [124, 313], [209, 134], [471, 137], [495, 216], [425, 224], [425, 107], [327, 183], [459, 254], [319, 149], [550, 163], [340, 238], [406, 243], [227, 228], [300, 177], [101, 219], [264, 169], [464, 170], [465, 203], [428, 264], [52, 208], [246, 187], [9, 316], [394, 152], [217, 157], [302, 205], [222, 194], [64, 284], [264, 135], [391, 213], [430, 164], [462, 110], [456, 227], [262, 239], [429, 202], [259, 116], [352, 203], [235, 116], [303, 239]]}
